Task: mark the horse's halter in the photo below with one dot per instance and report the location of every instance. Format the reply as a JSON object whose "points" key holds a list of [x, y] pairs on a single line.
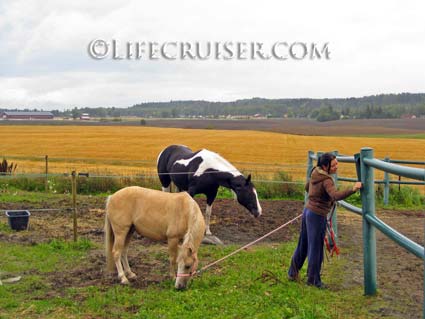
{"points": [[194, 267]]}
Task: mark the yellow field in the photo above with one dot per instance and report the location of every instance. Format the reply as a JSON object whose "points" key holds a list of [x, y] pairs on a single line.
{"points": [[98, 145]]}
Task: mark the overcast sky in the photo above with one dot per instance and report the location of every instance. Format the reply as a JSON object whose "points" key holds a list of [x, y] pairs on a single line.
{"points": [[375, 47]]}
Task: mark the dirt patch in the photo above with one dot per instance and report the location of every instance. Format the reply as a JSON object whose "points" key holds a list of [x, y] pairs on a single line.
{"points": [[303, 126], [399, 279], [399, 273], [229, 221]]}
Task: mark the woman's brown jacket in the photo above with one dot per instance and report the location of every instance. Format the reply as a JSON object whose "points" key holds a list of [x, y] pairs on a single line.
{"points": [[322, 193]]}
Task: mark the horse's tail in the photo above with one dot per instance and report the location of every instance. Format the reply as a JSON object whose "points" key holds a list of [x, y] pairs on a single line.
{"points": [[109, 241], [161, 165]]}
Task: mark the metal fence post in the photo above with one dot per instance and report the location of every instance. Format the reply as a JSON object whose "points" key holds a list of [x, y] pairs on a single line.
{"points": [[318, 154], [309, 168], [386, 184], [334, 217], [74, 203], [369, 237]]}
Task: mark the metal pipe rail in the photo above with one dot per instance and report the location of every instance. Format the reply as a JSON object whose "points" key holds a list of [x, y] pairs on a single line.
{"points": [[407, 162], [350, 159], [409, 172], [386, 181], [351, 208], [400, 239], [345, 159], [347, 179], [402, 182]]}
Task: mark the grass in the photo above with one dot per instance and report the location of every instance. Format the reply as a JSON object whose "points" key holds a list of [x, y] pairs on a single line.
{"points": [[4, 228], [19, 196], [43, 257], [233, 289], [405, 198], [33, 263], [12, 187], [13, 191]]}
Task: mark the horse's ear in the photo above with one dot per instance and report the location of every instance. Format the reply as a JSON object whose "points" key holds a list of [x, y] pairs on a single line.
{"points": [[248, 179], [191, 249]]}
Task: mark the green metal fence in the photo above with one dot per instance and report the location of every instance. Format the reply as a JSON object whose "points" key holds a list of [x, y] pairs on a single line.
{"points": [[365, 164]]}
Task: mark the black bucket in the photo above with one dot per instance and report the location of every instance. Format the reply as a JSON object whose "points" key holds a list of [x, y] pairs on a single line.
{"points": [[18, 219]]}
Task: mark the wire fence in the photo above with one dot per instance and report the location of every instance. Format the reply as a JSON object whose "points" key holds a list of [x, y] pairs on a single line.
{"points": [[50, 167], [272, 180]]}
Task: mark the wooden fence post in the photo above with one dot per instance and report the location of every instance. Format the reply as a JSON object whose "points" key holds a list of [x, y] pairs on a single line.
{"points": [[46, 184], [74, 203], [399, 184]]}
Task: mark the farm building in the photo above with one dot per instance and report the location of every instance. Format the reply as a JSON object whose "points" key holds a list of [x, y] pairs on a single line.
{"points": [[23, 115], [85, 117]]}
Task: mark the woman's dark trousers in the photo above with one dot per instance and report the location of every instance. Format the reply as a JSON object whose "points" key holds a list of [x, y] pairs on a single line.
{"points": [[310, 245]]}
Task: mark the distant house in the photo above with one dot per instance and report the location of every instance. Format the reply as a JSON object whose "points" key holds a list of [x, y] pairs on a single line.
{"points": [[408, 116], [85, 117], [24, 115]]}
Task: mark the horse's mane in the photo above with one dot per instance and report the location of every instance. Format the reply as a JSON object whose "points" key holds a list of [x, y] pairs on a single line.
{"points": [[218, 159], [225, 162], [194, 233]]}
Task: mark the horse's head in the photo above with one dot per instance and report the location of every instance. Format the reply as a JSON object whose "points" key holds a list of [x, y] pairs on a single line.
{"points": [[187, 263], [246, 194]]}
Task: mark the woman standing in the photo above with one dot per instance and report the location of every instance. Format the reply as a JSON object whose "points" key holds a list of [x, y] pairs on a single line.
{"points": [[322, 194]]}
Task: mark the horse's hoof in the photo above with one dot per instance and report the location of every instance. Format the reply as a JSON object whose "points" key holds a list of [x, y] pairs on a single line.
{"points": [[131, 275], [212, 240], [124, 281]]}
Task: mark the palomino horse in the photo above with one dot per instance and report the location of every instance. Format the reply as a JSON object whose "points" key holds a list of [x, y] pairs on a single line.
{"points": [[202, 172], [158, 216]]}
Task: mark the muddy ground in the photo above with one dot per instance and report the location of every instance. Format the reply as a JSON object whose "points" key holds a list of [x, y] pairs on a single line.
{"points": [[400, 274]]}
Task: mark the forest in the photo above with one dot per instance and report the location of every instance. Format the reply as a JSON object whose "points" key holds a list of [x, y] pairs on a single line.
{"points": [[328, 109]]}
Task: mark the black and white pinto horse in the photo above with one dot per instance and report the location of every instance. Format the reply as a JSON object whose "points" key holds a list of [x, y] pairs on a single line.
{"points": [[202, 172]]}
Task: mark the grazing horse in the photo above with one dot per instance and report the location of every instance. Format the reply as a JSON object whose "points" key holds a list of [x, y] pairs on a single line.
{"points": [[158, 216], [202, 172]]}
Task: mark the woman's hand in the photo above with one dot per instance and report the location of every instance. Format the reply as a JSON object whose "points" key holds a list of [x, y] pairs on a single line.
{"points": [[357, 186]]}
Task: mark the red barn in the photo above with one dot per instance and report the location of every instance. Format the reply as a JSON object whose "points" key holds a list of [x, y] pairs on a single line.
{"points": [[23, 115]]}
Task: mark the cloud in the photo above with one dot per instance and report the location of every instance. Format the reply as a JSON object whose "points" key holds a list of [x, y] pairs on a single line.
{"points": [[375, 48]]}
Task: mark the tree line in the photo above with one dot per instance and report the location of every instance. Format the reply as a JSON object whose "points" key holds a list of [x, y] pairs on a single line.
{"points": [[375, 106]]}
